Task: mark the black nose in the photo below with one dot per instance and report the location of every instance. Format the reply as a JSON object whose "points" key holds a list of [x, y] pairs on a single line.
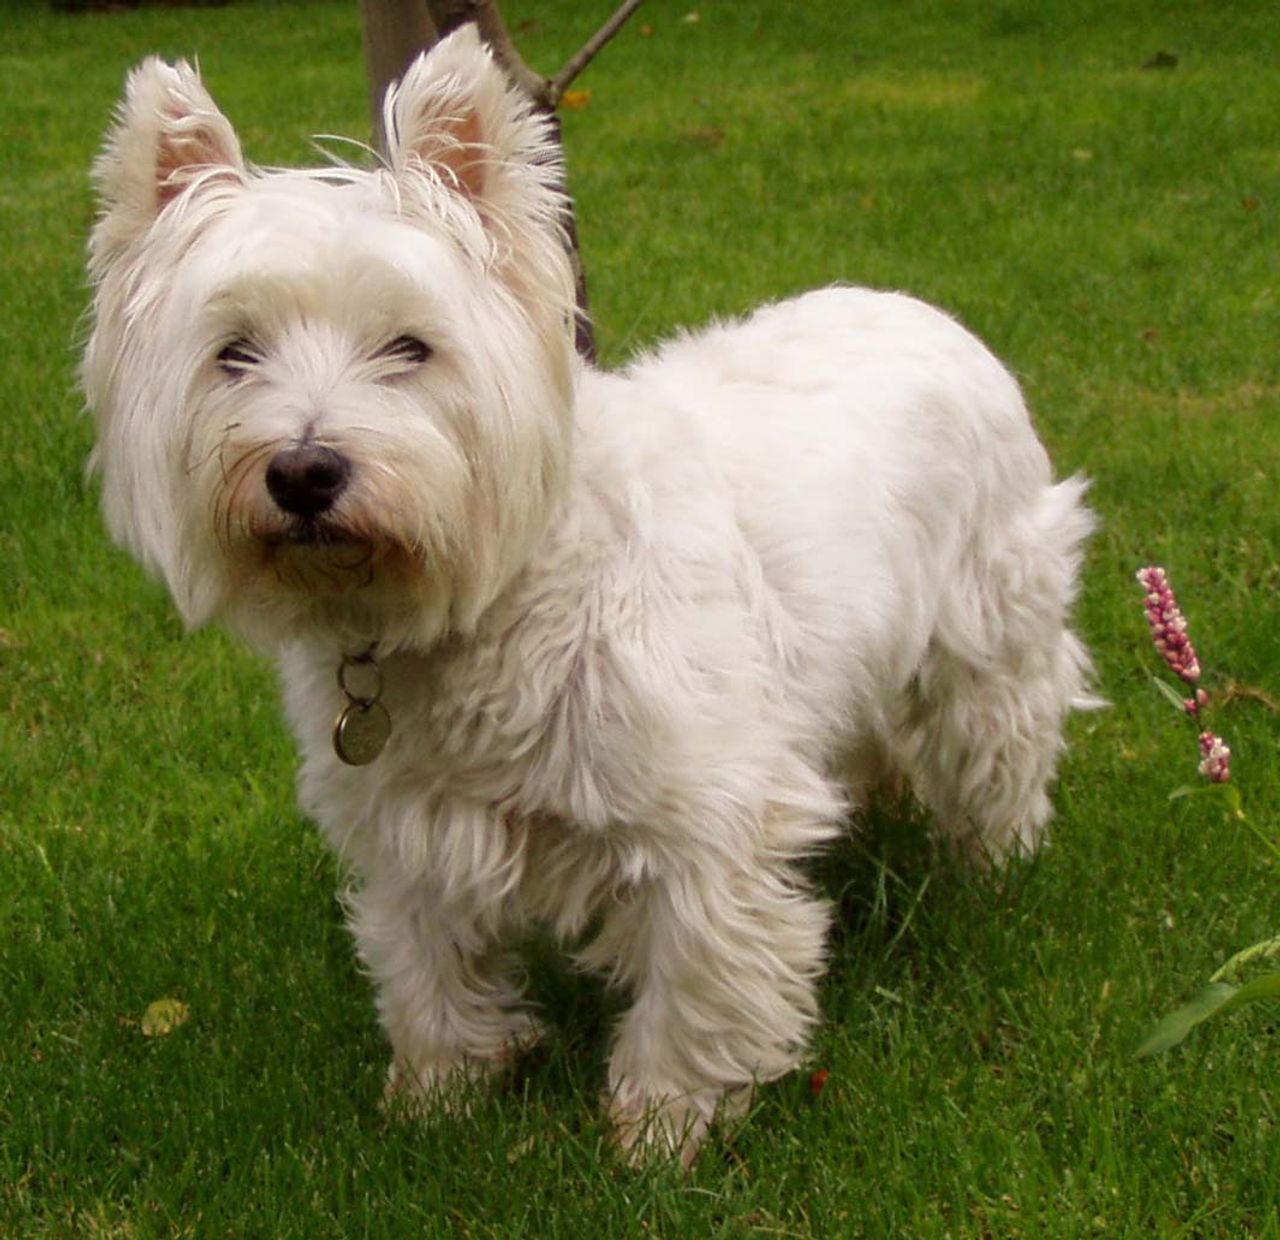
{"points": [[306, 479]]}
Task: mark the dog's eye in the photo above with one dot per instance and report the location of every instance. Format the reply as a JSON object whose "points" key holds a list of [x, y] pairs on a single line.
{"points": [[238, 356], [406, 350]]}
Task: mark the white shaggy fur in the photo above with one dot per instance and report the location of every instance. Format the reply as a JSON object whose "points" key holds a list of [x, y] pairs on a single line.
{"points": [[643, 635]]}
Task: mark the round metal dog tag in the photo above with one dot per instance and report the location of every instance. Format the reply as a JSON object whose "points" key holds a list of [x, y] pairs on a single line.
{"points": [[361, 732]]}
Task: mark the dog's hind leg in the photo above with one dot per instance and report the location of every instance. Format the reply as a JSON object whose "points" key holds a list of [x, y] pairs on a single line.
{"points": [[980, 730]]}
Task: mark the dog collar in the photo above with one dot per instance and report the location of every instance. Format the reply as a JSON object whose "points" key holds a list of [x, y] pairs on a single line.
{"points": [[363, 726]]}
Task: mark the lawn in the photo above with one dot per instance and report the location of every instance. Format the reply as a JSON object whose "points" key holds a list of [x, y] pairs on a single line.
{"points": [[1093, 188]]}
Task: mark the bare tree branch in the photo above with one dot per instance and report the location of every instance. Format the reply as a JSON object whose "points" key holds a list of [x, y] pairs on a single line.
{"points": [[546, 92], [450, 14], [587, 53]]}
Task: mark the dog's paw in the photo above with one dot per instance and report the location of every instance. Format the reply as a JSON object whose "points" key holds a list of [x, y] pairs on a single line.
{"points": [[651, 1124], [450, 1083], [418, 1089]]}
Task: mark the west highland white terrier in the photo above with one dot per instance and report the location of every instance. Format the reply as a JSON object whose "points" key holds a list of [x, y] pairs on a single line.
{"points": [[609, 653]]}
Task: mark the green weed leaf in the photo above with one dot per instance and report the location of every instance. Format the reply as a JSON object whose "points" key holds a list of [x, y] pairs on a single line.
{"points": [[1216, 999], [1171, 694], [1256, 991], [1180, 1022], [1268, 949], [1223, 792]]}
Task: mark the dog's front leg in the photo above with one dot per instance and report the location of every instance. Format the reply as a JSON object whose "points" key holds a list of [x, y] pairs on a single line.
{"points": [[450, 1009], [723, 958]]}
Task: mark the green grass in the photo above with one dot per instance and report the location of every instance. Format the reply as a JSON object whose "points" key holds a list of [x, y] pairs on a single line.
{"points": [[1111, 231]]}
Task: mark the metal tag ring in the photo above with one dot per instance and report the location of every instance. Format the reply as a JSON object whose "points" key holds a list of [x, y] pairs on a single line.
{"points": [[361, 661]]}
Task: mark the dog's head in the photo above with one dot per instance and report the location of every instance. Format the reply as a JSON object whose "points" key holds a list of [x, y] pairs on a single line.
{"points": [[333, 400]]}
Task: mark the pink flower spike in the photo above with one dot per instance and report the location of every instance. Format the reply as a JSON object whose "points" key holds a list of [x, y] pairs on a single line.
{"points": [[1215, 758], [1168, 625]]}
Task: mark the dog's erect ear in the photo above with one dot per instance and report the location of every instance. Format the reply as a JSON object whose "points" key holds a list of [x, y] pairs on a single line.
{"points": [[168, 135], [454, 113]]}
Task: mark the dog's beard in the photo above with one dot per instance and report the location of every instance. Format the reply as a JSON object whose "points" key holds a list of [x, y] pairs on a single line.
{"points": [[286, 578], [322, 558]]}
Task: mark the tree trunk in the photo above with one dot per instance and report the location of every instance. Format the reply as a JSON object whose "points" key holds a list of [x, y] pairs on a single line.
{"points": [[395, 31]]}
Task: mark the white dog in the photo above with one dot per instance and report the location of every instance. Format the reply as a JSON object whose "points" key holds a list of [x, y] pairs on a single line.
{"points": [[609, 653]]}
